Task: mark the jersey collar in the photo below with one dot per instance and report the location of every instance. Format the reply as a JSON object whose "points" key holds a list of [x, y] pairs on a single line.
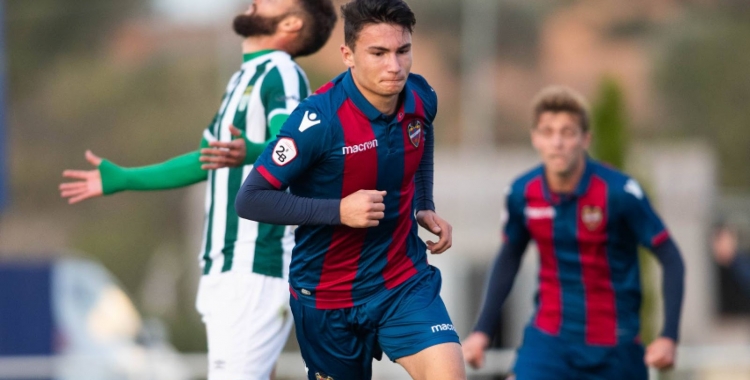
{"points": [[247, 57], [407, 104]]}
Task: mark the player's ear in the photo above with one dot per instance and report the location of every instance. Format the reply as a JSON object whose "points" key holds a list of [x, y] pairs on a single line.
{"points": [[347, 55], [586, 140], [291, 24]]}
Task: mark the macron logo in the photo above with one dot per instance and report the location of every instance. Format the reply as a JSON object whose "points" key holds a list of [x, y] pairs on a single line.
{"points": [[360, 147], [308, 121]]}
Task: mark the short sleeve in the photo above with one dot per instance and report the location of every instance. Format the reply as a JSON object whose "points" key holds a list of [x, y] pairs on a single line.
{"points": [[514, 230], [282, 90], [641, 217], [300, 144]]}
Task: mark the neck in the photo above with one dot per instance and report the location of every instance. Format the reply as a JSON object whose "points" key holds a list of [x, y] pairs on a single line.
{"points": [[565, 183], [258, 43]]}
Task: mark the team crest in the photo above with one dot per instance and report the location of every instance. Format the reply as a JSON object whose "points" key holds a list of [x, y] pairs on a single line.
{"points": [[592, 217], [318, 376], [415, 132]]}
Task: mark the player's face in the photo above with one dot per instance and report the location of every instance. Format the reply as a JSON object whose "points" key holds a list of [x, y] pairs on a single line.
{"points": [[561, 142], [262, 17], [381, 59]]}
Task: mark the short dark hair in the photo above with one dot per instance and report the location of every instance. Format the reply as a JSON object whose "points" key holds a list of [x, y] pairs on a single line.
{"points": [[319, 20], [359, 13], [561, 99]]}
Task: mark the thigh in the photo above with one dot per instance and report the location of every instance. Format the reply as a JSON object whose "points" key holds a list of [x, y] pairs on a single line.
{"points": [[416, 320], [624, 362], [542, 357], [439, 362], [331, 346], [247, 322]]}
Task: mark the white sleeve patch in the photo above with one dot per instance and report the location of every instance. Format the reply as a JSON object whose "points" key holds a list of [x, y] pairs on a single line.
{"points": [[634, 188], [285, 151]]}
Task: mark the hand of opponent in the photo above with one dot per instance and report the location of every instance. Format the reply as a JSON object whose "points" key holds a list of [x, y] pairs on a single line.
{"points": [[473, 349], [661, 353], [225, 154], [362, 209], [89, 184], [438, 226]]}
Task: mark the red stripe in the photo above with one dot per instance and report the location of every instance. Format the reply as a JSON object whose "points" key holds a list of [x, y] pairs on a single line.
{"points": [[340, 264], [660, 238], [399, 266], [549, 313], [324, 88], [601, 309], [294, 294], [269, 177]]}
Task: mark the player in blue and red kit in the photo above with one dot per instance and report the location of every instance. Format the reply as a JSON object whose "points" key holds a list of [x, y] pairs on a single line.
{"points": [[587, 221], [357, 159]]}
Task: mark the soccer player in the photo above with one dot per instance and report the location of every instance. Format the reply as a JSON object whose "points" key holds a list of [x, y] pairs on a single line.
{"points": [[587, 220], [243, 293], [357, 159]]}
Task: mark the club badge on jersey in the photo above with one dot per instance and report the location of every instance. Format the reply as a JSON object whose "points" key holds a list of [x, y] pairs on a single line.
{"points": [[591, 217], [415, 132]]}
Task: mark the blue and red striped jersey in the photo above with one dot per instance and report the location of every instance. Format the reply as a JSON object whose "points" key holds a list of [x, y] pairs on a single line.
{"points": [[589, 278], [334, 144]]}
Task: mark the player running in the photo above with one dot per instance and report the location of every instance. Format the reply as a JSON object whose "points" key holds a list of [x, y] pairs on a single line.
{"points": [[587, 220], [243, 293], [357, 159]]}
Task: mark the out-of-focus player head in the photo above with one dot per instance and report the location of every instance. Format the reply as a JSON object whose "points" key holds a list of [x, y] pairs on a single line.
{"points": [[377, 44], [299, 27], [560, 132]]}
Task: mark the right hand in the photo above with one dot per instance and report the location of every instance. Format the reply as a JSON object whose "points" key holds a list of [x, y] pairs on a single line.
{"points": [[473, 349], [724, 245], [362, 209], [89, 184]]}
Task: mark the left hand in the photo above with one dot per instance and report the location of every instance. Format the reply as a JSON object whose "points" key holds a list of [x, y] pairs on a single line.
{"points": [[438, 226], [225, 154], [661, 353]]}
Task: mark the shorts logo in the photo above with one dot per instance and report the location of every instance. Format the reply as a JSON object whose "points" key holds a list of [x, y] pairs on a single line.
{"points": [[540, 212], [443, 327], [415, 132], [592, 217], [318, 376], [284, 152]]}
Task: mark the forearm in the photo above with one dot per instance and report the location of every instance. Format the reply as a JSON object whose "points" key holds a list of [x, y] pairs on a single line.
{"points": [[258, 200], [423, 179], [501, 282], [673, 286], [177, 172]]}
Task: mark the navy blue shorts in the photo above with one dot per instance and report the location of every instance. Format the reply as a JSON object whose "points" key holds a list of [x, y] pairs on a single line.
{"points": [[546, 357], [341, 343]]}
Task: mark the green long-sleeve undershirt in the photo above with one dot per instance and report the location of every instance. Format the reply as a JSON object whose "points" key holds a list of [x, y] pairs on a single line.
{"points": [[180, 171]]}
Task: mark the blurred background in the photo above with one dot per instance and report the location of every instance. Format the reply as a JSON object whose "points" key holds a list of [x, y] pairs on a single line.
{"points": [[137, 82]]}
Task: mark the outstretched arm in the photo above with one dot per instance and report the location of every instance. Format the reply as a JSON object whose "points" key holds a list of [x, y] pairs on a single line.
{"points": [[109, 178]]}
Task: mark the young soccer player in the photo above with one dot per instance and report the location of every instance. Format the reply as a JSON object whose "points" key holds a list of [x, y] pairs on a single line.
{"points": [[243, 293], [587, 220], [357, 159]]}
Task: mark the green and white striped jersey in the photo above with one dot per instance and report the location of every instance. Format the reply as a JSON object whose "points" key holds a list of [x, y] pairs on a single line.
{"points": [[268, 84]]}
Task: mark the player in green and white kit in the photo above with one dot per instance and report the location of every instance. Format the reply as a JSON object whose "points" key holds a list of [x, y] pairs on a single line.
{"points": [[243, 294]]}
